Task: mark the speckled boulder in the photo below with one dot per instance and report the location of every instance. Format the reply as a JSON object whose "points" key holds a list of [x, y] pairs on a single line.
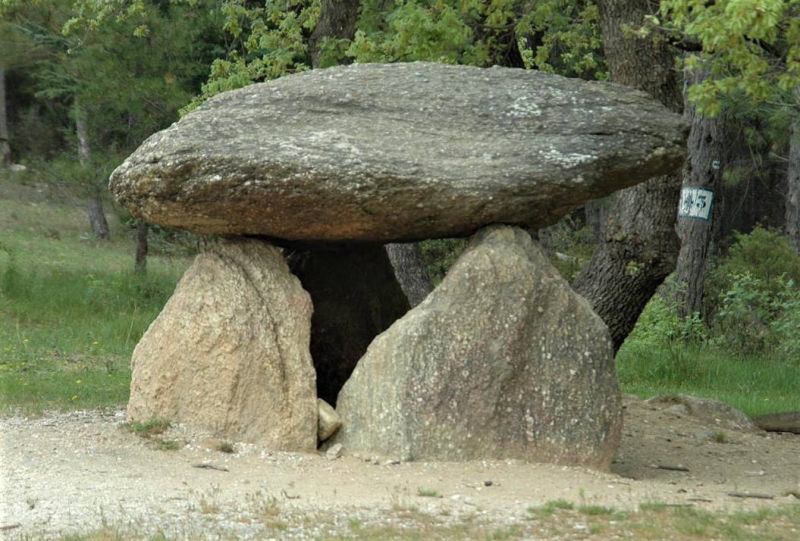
{"points": [[389, 152], [501, 360]]}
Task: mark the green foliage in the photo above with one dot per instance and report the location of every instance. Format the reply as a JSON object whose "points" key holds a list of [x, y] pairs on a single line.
{"points": [[150, 428], [564, 37], [440, 254], [752, 295], [434, 31], [747, 353], [764, 254], [267, 41], [750, 47]]}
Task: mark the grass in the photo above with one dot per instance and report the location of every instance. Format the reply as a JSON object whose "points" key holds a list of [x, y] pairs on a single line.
{"points": [[148, 429], [755, 384], [655, 521], [71, 308]]}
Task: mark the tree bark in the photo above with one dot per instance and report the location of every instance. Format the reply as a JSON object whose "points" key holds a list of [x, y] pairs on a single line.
{"points": [[97, 219], [639, 245], [5, 149], [97, 216], [141, 247], [793, 186], [703, 169], [410, 271], [337, 20]]}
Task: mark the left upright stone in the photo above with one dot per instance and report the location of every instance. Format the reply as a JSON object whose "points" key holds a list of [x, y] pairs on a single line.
{"points": [[230, 351]]}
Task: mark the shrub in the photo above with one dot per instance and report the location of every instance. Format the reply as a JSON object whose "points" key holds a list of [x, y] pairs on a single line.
{"points": [[764, 254], [752, 296]]}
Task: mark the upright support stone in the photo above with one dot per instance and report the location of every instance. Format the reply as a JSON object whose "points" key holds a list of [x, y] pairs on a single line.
{"points": [[501, 360], [229, 352]]}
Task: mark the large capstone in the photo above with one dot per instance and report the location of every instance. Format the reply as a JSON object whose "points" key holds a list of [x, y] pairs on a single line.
{"points": [[229, 353], [501, 360], [382, 153]]}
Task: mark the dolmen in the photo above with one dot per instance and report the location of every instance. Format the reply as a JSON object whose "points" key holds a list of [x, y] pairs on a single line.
{"points": [[304, 179]]}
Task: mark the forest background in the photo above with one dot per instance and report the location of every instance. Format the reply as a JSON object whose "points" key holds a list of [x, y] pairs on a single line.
{"points": [[84, 82]]}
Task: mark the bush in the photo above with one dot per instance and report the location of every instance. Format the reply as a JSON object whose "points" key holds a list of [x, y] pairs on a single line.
{"points": [[766, 255], [752, 296]]}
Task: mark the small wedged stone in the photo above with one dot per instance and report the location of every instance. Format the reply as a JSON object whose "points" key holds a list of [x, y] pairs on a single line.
{"points": [[329, 420]]}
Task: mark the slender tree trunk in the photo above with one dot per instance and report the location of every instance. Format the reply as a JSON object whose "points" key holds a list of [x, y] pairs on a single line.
{"points": [[5, 149], [639, 245], [793, 186], [141, 247], [97, 216], [703, 169], [337, 20]]}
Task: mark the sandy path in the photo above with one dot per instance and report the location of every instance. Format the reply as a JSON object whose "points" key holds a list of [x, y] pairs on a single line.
{"points": [[76, 472]]}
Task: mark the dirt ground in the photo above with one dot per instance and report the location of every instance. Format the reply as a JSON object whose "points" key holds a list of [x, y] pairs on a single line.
{"points": [[83, 471]]}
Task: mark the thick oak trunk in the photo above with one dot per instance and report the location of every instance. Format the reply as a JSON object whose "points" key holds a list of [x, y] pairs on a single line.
{"points": [[337, 20], [639, 245]]}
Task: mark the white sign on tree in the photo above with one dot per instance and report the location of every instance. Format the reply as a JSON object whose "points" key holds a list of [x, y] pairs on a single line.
{"points": [[696, 203]]}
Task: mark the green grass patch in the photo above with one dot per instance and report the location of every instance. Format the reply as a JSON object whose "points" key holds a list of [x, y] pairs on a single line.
{"points": [[148, 429], [71, 309], [428, 493], [755, 384]]}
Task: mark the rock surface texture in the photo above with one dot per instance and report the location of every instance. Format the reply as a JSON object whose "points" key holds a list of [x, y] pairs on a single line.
{"points": [[382, 153], [501, 360], [229, 352]]}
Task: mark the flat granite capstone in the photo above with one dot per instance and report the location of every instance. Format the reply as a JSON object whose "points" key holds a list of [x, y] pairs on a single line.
{"points": [[393, 152]]}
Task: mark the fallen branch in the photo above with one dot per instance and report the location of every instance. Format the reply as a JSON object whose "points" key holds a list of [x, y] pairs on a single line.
{"points": [[751, 495], [207, 466], [670, 468]]}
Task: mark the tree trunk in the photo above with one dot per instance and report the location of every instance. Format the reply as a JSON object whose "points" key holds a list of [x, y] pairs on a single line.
{"points": [[410, 271], [5, 149], [793, 186], [97, 216], [141, 247], [337, 20], [97, 219], [82, 134], [639, 245], [703, 169]]}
